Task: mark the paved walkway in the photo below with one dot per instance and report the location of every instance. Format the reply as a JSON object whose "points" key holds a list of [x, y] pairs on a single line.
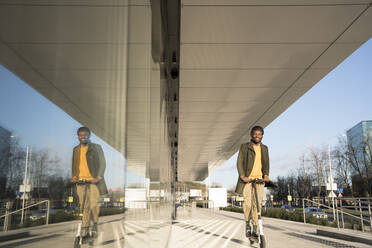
{"points": [[226, 229], [194, 228]]}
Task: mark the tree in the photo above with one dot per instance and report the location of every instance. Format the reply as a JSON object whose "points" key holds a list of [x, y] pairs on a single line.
{"points": [[57, 186], [367, 150], [356, 158], [303, 185], [304, 180], [42, 167], [317, 159], [12, 166], [341, 164], [280, 193]]}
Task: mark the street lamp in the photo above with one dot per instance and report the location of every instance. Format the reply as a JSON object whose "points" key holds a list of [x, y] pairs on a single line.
{"points": [[25, 182], [329, 154], [330, 179]]}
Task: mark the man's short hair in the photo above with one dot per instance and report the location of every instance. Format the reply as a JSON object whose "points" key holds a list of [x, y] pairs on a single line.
{"points": [[83, 129], [257, 128]]}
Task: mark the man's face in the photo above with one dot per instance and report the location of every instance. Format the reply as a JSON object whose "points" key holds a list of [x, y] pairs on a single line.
{"points": [[83, 137], [257, 136]]}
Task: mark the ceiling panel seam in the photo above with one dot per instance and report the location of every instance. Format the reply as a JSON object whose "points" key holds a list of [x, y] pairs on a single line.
{"points": [[245, 69], [234, 87], [265, 43], [74, 5], [273, 5], [76, 43]]}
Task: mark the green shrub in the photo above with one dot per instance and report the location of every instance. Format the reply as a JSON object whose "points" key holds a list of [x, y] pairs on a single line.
{"points": [[111, 211], [61, 216], [30, 223], [232, 209], [355, 224], [282, 214]]}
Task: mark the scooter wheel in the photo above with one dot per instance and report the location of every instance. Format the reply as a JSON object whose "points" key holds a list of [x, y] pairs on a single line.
{"points": [[77, 242], [263, 243], [92, 242]]}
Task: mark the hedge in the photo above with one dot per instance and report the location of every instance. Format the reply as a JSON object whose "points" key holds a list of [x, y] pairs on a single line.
{"points": [[297, 216]]}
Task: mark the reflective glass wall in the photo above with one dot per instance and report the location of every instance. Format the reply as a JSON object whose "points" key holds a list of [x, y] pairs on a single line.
{"points": [[67, 64], [148, 191]]}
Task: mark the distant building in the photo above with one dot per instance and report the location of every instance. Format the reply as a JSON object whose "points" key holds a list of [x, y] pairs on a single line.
{"points": [[359, 138], [217, 197], [4, 139], [135, 198], [4, 157]]}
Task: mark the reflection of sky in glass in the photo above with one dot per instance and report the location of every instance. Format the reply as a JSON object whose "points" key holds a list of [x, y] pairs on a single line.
{"points": [[39, 123]]}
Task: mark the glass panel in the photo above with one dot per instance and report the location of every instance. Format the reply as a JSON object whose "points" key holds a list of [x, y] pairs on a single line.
{"points": [[67, 64], [148, 196]]}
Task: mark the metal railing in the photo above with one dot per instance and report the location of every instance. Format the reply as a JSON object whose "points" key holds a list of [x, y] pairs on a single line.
{"points": [[359, 210], [8, 214], [360, 206]]}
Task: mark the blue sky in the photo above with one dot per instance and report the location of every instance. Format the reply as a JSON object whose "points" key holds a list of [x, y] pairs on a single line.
{"points": [[336, 103]]}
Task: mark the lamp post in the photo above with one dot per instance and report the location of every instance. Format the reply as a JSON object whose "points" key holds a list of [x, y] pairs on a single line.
{"points": [[330, 180], [25, 184]]}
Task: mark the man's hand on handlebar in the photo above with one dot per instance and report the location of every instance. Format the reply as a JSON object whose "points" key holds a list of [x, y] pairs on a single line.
{"points": [[245, 179], [256, 180], [79, 181], [96, 180], [83, 181], [248, 180]]}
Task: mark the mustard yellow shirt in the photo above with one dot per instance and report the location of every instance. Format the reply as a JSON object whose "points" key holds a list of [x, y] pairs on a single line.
{"points": [[257, 166], [84, 173]]}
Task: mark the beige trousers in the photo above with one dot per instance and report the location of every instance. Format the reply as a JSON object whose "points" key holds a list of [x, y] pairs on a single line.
{"points": [[91, 205], [249, 205]]}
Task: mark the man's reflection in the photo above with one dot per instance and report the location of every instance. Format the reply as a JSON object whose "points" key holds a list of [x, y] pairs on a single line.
{"points": [[88, 165]]}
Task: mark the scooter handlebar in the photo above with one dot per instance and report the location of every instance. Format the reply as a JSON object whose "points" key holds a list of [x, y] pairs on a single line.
{"points": [[80, 182], [269, 184], [256, 180]]}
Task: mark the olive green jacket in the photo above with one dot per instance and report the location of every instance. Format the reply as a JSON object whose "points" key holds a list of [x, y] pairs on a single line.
{"points": [[96, 164], [246, 160]]}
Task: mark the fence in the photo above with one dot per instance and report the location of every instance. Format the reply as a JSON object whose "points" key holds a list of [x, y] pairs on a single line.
{"points": [[7, 216], [354, 208]]}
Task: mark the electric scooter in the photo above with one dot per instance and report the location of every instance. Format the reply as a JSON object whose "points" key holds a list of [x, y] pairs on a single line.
{"points": [[261, 237], [79, 239]]}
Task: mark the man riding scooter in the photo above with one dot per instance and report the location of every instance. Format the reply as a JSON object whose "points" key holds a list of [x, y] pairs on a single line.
{"points": [[88, 165], [252, 163]]}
